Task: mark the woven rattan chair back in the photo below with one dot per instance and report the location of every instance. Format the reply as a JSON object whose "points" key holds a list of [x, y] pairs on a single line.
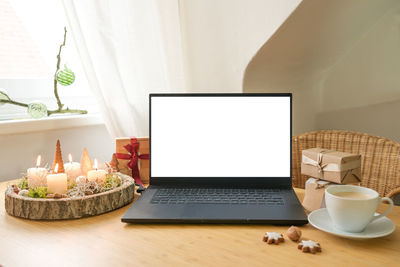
{"points": [[380, 157]]}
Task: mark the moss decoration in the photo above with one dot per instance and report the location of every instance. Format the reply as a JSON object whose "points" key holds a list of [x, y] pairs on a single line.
{"points": [[38, 192]]}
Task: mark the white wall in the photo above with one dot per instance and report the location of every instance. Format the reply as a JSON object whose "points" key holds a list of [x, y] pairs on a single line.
{"points": [[320, 54], [221, 36], [18, 151], [362, 91]]}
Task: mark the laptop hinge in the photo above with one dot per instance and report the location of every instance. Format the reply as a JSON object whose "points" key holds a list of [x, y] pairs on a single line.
{"points": [[281, 182]]}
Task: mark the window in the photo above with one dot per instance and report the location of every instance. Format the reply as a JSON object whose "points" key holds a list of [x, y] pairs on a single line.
{"points": [[30, 35]]}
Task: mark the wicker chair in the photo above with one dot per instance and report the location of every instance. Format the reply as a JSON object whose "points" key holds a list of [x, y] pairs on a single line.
{"points": [[380, 157]]}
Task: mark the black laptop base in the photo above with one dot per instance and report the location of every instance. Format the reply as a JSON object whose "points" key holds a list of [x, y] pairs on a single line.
{"points": [[149, 209]]}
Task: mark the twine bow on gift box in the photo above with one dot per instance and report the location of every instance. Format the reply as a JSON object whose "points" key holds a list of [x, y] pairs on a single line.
{"points": [[318, 163], [349, 166], [133, 157]]}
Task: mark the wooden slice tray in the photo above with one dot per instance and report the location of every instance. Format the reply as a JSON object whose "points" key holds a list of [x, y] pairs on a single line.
{"points": [[70, 208]]}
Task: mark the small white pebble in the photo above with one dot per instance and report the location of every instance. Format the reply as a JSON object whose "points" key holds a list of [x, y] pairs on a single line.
{"points": [[23, 193]]}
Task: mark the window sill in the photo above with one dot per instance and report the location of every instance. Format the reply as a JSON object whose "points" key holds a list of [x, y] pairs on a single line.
{"points": [[51, 123]]}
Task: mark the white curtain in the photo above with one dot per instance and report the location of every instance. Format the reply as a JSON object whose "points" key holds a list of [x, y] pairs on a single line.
{"points": [[128, 49]]}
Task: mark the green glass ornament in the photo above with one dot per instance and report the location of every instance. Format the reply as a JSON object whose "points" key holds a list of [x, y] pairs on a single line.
{"points": [[3, 95], [65, 77], [37, 110]]}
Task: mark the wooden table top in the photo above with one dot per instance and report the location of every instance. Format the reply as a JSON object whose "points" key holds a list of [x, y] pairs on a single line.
{"points": [[104, 241]]}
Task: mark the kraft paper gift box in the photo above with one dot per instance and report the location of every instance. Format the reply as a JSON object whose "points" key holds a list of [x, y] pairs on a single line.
{"points": [[314, 197], [330, 165], [133, 152]]}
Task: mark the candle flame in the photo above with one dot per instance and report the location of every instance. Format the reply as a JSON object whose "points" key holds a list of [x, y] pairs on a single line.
{"points": [[95, 165], [56, 168], [38, 161], [70, 158]]}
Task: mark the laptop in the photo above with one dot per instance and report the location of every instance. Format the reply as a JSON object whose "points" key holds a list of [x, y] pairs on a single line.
{"points": [[219, 158]]}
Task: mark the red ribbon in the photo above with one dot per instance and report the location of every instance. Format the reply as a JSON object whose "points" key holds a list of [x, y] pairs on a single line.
{"points": [[133, 157]]}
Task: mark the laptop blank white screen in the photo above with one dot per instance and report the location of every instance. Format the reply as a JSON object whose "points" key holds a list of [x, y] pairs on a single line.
{"points": [[220, 136]]}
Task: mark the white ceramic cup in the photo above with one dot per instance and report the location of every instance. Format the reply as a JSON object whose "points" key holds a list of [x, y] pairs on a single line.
{"points": [[353, 215]]}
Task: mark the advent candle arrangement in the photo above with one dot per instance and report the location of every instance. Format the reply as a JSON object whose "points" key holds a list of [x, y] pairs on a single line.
{"points": [[69, 190], [70, 179]]}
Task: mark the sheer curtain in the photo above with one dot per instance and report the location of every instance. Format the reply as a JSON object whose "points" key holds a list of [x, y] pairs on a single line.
{"points": [[128, 49]]}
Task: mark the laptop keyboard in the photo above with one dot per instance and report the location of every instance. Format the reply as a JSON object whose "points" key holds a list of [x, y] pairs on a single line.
{"points": [[237, 196]]}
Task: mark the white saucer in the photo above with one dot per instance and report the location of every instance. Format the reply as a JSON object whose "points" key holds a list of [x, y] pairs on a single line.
{"points": [[320, 219]]}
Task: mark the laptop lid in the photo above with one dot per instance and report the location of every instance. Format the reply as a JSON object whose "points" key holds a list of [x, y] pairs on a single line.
{"points": [[221, 139]]}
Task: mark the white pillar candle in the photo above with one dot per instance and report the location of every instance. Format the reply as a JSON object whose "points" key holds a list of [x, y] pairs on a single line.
{"points": [[57, 183], [36, 176], [97, 175], [72, 169]]}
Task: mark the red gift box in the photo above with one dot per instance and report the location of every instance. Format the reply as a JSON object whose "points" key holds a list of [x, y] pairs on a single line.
{"points": [[133, 157]]}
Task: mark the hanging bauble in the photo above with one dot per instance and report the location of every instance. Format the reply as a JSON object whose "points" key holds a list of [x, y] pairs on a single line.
{"points": [[3, 95], [37, 110], [65, 77]]}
